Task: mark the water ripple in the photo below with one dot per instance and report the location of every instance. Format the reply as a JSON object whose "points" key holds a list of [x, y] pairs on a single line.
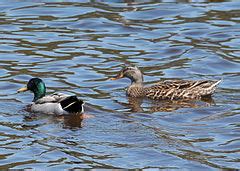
{"points": [[76, 46]]}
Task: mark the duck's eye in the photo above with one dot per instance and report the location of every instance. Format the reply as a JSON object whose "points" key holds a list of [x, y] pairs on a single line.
{"points": [[126, 69], [130, 68]]}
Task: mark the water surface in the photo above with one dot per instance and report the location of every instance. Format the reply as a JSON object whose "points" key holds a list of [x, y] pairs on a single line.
{"points": [[75, 47]]}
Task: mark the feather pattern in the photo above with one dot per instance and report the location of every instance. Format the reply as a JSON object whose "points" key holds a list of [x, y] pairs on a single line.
{"points": [[181, 89], [57, 103], [52, 98]]}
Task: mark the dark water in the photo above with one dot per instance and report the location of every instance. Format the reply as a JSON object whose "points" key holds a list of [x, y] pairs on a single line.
{"points": [[75, 47]]}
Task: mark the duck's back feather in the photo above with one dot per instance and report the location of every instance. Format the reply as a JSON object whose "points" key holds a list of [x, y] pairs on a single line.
{"points": [[52, 98], [181, 89]]}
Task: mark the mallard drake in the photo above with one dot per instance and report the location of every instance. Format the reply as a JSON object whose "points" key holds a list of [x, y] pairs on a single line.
{"points": [[169, 89], [57, 103]]}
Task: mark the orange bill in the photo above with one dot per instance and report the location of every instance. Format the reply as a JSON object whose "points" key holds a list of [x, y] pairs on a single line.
{"points": [[120, 75]]}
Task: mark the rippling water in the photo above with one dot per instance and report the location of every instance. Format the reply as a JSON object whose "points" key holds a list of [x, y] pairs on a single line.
{"points": [[75, 47]]}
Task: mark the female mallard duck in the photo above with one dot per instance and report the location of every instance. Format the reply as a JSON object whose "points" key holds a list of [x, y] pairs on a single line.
{"points": [[172, 89], [56, 103]]}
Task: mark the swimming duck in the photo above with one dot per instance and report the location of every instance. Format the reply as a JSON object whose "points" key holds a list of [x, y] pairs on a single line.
{"points": [[57, 103], [169, 89]]}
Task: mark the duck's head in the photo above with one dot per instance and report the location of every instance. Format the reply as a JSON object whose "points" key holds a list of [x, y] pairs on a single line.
{"points": [[37, 86], [131, 72]]}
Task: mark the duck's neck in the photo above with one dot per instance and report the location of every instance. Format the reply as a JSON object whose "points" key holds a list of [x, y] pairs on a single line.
{"points": [[37, 96], [138, 81], [136, 89], [39, 92]]}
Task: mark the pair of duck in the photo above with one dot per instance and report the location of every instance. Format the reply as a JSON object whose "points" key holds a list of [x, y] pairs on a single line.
{"points": [[60, 104]]}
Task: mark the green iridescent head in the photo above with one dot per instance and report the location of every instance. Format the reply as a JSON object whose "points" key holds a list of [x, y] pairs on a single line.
{"points": [[37, 86]]}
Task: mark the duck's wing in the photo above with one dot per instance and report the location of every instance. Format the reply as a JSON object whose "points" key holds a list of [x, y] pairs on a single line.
{"points": [[58, 103], [181, 89], [179, 84], [52, 98], [190, 85], [50, 104]]}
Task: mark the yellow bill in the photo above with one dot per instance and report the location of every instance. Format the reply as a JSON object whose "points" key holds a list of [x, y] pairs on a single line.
{"points": [[117, 77], [22, 89]]}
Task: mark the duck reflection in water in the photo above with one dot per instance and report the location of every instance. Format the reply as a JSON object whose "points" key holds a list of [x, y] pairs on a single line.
{"points": [[135, 104], [71, 121], [74, 120]]}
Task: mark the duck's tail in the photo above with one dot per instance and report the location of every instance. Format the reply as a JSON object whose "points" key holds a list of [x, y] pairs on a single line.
{"points": [[214, 85], [72, 104], [211, 89]]}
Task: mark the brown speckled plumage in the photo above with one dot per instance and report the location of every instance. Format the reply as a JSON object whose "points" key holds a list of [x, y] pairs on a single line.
{"points": [[170, 89], [136, 90]]}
